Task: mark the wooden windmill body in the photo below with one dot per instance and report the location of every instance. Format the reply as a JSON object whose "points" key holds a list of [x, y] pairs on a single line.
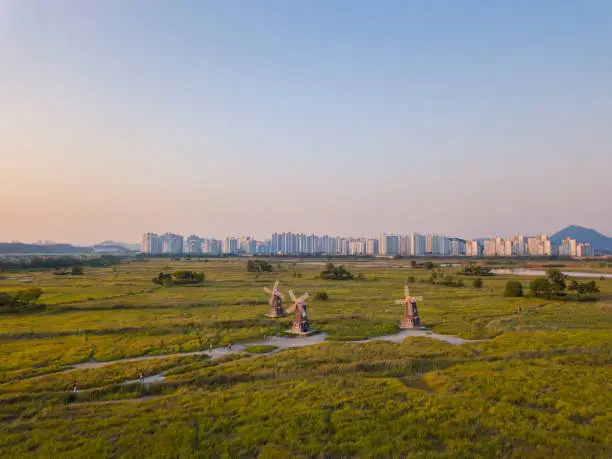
{"points": [[411, 317], [276, 301], [301, 325]]}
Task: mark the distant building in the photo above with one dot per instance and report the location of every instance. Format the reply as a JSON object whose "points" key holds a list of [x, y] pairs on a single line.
{"points": [[389, 244], [539, 246], [372, 246], [473, 249], [357, 247], [585, 250], [172, 243], [418, 244], [457, 247], [151, 243], [193, 244], [568, 247], [229, 245]]}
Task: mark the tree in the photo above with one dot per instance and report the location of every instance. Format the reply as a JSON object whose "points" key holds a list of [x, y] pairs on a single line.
{"points": [[556, 279], [77, 271], [411, 279], [540, 287], [323, 296], [333, 272], [164, 279], [429, 265], [259, 266], [513, 289], [477, 283], [188, 277]]}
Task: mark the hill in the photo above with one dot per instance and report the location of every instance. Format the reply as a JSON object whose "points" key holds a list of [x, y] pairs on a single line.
{"points": [[20, 248], [582, 234]]}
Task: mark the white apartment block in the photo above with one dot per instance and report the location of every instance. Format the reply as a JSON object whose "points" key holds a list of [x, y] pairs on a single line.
{"points": [[151, 243]]}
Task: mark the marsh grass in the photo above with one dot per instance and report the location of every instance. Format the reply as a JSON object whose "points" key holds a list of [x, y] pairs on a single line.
{"points": [[537, 387]]}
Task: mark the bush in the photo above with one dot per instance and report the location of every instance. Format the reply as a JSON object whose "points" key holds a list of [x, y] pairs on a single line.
{"points": [[260, 349], [332, 272], [477, 283], [259, 266], [476, 270], [323, 296], [20, 300], [188, 277], [164, 279], [77, 271], [540, 287], [411, 279], [513, 289]]}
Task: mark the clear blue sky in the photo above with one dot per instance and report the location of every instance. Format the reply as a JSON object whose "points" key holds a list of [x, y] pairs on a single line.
{"points": [[341, 117]]}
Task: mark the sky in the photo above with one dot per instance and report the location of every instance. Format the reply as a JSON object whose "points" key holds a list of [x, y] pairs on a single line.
{"points": [[247, 117]]}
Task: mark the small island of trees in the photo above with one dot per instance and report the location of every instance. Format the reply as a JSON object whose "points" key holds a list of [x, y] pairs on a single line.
{"points": [[333, 272]]}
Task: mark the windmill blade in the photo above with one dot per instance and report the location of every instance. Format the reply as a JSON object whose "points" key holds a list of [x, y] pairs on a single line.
{"points": [[418, 298], [406, 290], [282, 297], [305, 296], [400, 301], [292, 295], [267, 290], [291, 309], [276, 285]]}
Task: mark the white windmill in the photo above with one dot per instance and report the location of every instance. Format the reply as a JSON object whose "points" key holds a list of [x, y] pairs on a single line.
{"points": [[301, 326], [411, 315], [276, 301]]}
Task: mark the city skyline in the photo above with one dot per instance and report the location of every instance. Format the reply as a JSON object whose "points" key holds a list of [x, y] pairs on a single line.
{"points": [[387, 244], [329, 117]]}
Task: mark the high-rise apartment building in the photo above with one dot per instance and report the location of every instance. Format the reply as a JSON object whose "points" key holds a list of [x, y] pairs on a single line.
{"points": [[473, 249], [151, 243], [585, 250], [193, 244], [568, 247], [389, 244], [172, 243], [418, 244], [372, 246], [539, 246]]}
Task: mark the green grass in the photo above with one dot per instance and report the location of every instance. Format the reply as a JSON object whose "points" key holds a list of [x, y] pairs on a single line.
{"points": [[535, 385], [261, 349]]}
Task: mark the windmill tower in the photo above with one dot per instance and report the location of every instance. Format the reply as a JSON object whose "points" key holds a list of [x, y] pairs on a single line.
{"points": [[276, 301], [301, 326], [411, 315]]}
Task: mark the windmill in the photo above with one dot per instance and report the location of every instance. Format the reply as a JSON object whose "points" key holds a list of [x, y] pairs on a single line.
{"points": [[301, 326], [276, 301], [411, 315]]}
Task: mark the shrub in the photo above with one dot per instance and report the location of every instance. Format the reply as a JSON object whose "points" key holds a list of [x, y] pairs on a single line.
{"points": [[556, 279], [188, 277], [476, 270], [333, 272], [20, 300], [164, 279], [540, 287], [260, 349], [77, 271], [411, 279], [513, 289], [477, 283], [259, 266], [323, 296]]}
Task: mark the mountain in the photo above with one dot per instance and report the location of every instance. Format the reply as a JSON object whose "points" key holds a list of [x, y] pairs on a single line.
{"points": [[19, 248], [582, 234], [125, 245]]}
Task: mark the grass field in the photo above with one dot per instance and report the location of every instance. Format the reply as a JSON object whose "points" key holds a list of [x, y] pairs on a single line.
{"points": [[535, 384]]}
